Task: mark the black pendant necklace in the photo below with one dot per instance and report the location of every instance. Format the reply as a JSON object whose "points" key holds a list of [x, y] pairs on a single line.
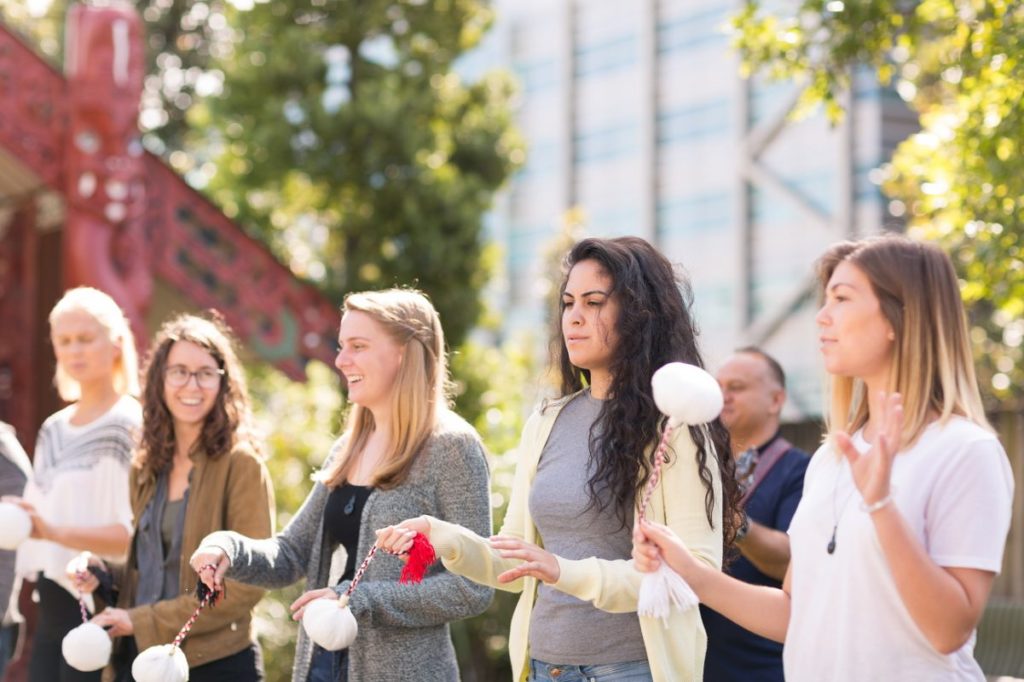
{"points": [[837, 515]]}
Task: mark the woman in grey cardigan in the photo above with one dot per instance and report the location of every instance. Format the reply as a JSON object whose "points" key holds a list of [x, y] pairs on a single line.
{"points": [[403, 453]]}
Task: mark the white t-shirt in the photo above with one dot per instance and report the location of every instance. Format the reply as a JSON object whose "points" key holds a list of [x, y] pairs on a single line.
{"points": [[954, 487], [80, 478]]}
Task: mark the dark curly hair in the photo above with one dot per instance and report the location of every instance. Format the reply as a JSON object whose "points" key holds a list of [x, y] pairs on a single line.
{"points": [[654, 327], [230, 420]]}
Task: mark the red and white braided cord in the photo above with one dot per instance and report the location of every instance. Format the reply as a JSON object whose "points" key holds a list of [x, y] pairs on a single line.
{"points": [[659, 460]]}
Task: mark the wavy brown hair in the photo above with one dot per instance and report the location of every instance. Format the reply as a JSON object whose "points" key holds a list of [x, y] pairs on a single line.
{"points": [[230, 420], [654, 327]]}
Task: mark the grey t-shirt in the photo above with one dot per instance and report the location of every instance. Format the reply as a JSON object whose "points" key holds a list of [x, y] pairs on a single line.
{"points": [[564, 629]]}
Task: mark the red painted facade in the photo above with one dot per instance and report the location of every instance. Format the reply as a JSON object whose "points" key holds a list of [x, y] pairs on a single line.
{"points": [[129, 220]]}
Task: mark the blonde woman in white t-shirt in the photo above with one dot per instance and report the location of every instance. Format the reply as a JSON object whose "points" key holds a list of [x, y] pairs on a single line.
{"points": [[906, 506], [78, 495]]}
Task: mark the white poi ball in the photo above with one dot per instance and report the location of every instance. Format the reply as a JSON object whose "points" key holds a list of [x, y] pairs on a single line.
{"points": [[686, 393], [86, 648], [330, 623], [15, 525], [160, 663]]}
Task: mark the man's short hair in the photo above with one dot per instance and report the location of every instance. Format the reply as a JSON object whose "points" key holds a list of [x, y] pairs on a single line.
{"points": [[773, 364]]}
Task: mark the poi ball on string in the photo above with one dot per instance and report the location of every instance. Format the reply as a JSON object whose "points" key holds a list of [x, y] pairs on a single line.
{"points": [[686, 393], [86, 648], [15, 525], [160, 663], [329, 622]]}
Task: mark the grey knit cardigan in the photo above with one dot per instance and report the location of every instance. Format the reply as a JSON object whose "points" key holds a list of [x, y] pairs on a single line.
{"points": [[403, 628]]}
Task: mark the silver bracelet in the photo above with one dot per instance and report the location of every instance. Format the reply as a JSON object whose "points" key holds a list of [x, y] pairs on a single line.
{"points": [[877, 504]]}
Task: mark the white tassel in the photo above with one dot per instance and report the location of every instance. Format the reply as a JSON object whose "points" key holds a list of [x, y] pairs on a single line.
{"points": [[661, 590]]}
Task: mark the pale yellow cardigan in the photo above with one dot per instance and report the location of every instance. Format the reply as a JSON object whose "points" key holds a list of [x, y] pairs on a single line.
{"points": [[676, 651]]}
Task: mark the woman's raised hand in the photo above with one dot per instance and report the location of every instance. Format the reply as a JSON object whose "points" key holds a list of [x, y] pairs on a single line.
{"points": [[872, 471], [397, 539], [211, 564], [537, 562]]}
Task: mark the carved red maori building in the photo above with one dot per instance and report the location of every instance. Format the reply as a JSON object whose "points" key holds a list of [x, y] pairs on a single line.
{"points": [[104, 244], [129, 221], [212, 262]]}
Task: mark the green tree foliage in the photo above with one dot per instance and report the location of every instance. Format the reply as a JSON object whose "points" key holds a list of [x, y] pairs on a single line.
{"points": [[348, 140], [299, 422], [960, 181]]}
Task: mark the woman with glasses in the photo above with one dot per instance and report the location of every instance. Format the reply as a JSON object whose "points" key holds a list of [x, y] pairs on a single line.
{"points": [[78, 494], [198, 469]]}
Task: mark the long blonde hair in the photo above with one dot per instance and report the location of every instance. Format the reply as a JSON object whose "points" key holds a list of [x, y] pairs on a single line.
{"points": [[419, 393], [102, 308], [932, 367]]}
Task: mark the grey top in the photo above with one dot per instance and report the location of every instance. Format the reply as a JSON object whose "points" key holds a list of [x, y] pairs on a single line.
{"points": [[403, 629], [564, 629], [14, 472], [158, 538], [172, 526]]}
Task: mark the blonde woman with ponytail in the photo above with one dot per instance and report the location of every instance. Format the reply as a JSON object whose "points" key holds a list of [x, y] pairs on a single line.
{"points": [[403, 453], [906, 506], [78, 497]]}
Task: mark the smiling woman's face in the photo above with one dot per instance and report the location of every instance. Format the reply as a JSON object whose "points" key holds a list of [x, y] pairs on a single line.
{"points": [[369, 358]]}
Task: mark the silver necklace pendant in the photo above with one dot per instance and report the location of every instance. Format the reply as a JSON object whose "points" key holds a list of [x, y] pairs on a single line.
{"points": [[350, 505], [832, 543]]}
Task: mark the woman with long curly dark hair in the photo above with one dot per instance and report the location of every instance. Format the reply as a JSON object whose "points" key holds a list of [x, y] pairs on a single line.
{"points": [[198, 469], [583, 462]]}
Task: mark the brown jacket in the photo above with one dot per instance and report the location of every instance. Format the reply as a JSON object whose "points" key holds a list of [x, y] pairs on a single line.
{"points": [[233, 492]]}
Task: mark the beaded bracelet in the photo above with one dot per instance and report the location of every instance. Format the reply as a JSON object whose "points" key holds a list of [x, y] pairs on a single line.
{"points": [[877, 504]]}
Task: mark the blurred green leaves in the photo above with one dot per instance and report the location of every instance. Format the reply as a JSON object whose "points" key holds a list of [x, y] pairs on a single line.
{"points": [[347, 139], [960, 181]]}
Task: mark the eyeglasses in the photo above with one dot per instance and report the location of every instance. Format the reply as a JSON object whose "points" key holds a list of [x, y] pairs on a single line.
{"points": [[206, 377]]}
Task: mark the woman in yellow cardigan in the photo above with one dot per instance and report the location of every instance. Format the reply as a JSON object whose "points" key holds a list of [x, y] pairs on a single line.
{"points": [[583, 461]]}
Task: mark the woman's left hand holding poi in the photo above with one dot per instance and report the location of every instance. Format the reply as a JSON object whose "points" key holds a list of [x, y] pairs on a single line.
{"points": [[872, 471], [298, 607], [537, 562], [116, 621]]}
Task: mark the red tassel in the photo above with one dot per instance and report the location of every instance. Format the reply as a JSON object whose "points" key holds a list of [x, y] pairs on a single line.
{"points": [[421, 555]]}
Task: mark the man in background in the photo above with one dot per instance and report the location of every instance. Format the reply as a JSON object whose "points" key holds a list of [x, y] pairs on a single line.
{"points": [[771, 475]]}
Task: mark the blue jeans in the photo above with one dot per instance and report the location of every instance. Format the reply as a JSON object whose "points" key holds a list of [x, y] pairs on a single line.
{"points": [[8, 642], [628, 671], [328, 666]]}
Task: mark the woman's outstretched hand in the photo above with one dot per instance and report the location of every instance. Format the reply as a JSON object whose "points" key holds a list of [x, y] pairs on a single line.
{"points": [[211, 564], [654, 543], [872, 471], [397, 539], [298, 606], [116, 621], [537, 562]]}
